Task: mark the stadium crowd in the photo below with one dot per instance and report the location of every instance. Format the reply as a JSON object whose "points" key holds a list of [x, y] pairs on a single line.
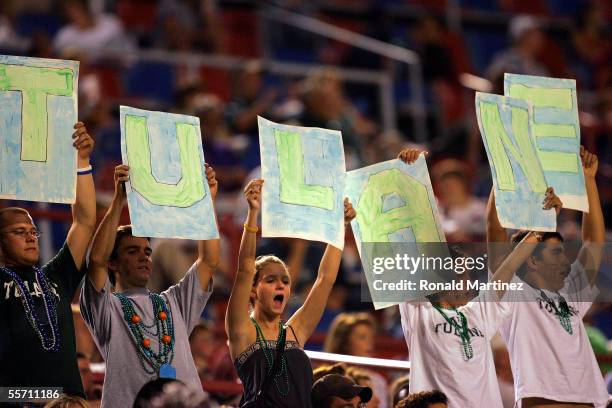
{"points": [[539, 38]]}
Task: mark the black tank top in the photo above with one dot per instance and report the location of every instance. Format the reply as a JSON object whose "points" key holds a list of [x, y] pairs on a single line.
{"points": [[252, 368]]}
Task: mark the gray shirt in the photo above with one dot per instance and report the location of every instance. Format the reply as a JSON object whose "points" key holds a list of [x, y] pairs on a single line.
{"points": [[104, 317]]}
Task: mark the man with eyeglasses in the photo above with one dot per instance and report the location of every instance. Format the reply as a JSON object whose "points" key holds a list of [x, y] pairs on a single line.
{"points": [[37, 341]]}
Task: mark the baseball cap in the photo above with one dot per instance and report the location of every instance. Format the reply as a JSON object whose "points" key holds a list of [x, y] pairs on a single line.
{"points": [[336, 385]]}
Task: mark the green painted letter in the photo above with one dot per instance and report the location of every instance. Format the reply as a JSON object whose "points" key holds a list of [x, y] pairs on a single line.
{"points": [[293, 189], [558, 98], [499, 144], [190, 188], [376, 225], [35, 84]]}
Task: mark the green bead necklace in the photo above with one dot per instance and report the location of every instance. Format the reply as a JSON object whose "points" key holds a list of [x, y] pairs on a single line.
{"points": [[161, 328], [269, 355], [562, 312], [466, 343]]}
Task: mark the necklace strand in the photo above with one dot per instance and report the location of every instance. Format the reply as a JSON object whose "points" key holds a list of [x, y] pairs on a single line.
{"points": [[164, 332], [50, 303]]}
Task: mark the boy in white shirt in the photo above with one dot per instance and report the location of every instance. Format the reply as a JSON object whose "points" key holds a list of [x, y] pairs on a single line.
{"points": [[552, 361], [449, 335]]}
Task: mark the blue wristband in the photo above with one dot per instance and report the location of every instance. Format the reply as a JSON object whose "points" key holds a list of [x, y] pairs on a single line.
{"points": [[85, 170]]}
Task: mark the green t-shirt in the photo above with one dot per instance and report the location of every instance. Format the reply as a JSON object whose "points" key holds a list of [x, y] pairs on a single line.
{"points": [[23, 360]]}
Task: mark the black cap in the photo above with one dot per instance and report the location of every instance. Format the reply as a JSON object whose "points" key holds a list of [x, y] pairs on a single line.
{"points": [[336, 385]]}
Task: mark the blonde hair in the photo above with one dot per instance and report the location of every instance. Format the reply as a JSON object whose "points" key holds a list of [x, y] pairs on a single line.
{"points": [[358, 375], [67, 401], [337, 340], [260, 263]]}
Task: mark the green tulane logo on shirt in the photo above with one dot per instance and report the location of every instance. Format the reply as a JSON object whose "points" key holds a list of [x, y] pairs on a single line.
{"points": [[446, 328]]}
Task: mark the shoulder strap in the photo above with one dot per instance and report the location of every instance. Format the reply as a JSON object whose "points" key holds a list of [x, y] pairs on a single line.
{"points": [[296, 337]]}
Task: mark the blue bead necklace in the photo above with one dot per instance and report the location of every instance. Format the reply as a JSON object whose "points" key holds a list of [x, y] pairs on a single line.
{"points": [[162, 328], [50, 341]]}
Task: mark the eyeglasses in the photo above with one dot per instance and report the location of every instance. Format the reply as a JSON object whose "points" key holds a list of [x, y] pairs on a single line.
{"points": [[23, 233]]}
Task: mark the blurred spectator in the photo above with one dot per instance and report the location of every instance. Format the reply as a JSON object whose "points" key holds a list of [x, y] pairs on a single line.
{"points": [[165, 393], [327, 106], [462, 213], [185, 25], [424, 399], [399, 389], [353, 334], [249, 100], [223, 150], [322, 371], [68, 401], [88, 35], [362, 378], [522, 58], [339, 391], [203, 348], [10, 41], [433, 49], [592, 46], [501, 359], [85, 344], [92, 391]]}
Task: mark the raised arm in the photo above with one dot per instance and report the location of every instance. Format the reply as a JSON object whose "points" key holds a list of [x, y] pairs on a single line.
{"points": [[496, 235], [104, 239], [514, 260], [306, 318], [236, 318], [84, 208], [593, 227], [209, 250]]}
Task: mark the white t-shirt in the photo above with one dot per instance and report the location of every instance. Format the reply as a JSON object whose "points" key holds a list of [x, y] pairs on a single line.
{"points": [[547, 361], [436, 351]]}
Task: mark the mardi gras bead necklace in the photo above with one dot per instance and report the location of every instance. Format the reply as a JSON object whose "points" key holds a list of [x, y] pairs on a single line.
{"points": [[562, 312], [462, 329], [269, 355], [50, 341], [162, 328]]}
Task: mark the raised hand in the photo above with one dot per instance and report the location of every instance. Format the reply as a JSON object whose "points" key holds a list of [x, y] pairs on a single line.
{"points": [[213, 184], [121, 176], [411, 154], [349, 212], [590, 162], [252, 193], [83, 142], [551, 200]]}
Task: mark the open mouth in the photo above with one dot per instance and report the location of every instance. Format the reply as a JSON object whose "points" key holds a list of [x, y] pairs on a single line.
{"points": [[278, 300]]}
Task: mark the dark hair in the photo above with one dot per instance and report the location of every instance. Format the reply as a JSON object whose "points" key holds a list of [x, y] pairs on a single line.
{"points": [[545, 236], [423, 399], [337, 340], [122, 232]]}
